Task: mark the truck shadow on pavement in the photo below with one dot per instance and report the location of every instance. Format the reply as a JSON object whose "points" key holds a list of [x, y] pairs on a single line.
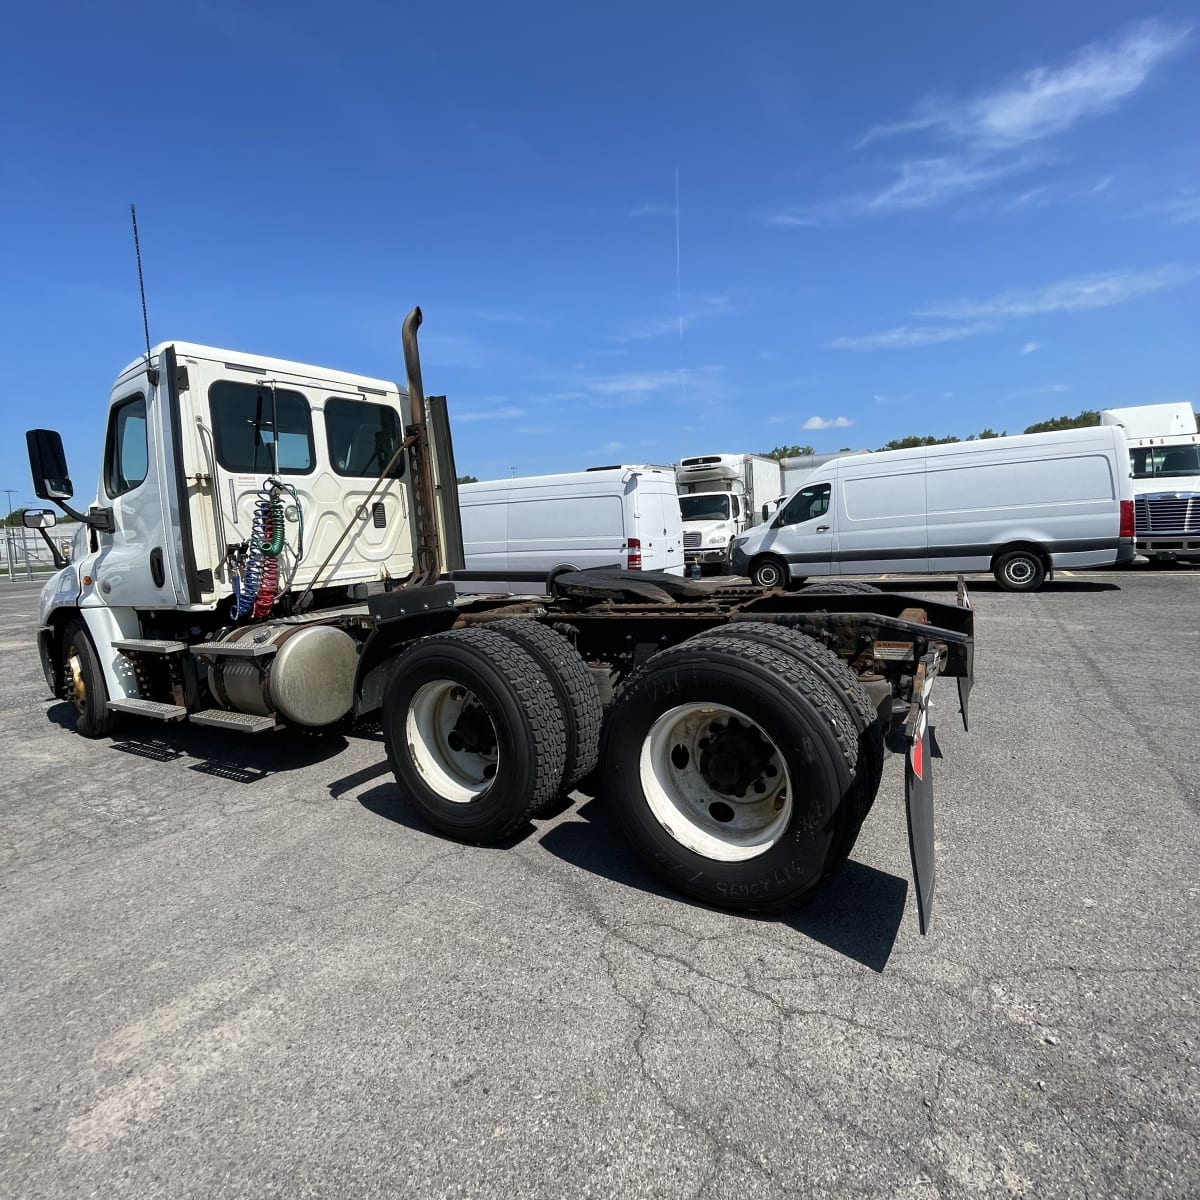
{"points": [[857, 914]]}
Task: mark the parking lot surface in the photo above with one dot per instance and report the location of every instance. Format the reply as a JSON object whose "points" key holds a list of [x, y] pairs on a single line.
{"points": [[242, 967]]}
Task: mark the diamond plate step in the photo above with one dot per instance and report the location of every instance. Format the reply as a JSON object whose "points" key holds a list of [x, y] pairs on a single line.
{"points": [[150, 708], [149, 646], [233, 649], [222, 718]]}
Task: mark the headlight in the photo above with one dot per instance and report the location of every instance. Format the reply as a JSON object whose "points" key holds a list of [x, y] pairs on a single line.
{"points": [[739, 542], [716, 539]]}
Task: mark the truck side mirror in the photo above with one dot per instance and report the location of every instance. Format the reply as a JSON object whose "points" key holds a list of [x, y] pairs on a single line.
{"points": [[49, 465], [39, 518], [766, 512]]}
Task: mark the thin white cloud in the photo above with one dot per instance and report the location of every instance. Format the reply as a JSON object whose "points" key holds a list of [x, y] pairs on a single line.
{"points": [[1048, 99], [698, 310], [653, 210], [904, 337], [634, 382], [827, 423], [996, 134], [1101, 185], [1031, 347], [1181, 209], [1078, 294], [506, 413]]}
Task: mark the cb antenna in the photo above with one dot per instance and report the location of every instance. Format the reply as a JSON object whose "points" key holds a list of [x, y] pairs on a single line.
{"points": [[151, 374]]}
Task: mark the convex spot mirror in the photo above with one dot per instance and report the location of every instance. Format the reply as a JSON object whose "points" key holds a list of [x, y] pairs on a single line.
{"points": [[39, 518]]}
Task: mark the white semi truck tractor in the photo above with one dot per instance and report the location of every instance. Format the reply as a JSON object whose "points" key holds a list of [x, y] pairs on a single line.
{"points": [[266, 548], [1164, 452]]}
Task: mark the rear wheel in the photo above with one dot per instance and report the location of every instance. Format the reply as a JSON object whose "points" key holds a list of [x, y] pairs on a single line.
{"points": [[726, 764], [83, 684], [1019, 571], [821, 661], [768, 571], [573, 685], [474, 733], [840, 588]]}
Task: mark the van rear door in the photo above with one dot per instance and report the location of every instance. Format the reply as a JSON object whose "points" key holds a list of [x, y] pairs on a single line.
{"points": [[657, 522]]}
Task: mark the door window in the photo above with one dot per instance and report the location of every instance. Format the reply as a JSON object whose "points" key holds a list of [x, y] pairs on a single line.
{"points": [[244, 417], [362, 437], [806, 504], [126, 457]]}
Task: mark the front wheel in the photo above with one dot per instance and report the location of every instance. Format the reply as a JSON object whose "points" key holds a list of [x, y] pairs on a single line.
{"points": [[474, 733], [83, 684], [769, 571], [727, 765], [1019, 571]]}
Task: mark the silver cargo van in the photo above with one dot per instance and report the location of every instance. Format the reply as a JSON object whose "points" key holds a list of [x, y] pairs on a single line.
{"points": [[518, 533], [1015, 506]]}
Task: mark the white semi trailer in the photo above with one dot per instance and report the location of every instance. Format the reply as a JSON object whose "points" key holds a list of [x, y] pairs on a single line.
{"points": [[267, 548], [1164, 451]]}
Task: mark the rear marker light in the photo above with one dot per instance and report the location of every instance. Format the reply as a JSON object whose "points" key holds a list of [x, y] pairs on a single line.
{"points": [[1126, 519], [633, 554]]}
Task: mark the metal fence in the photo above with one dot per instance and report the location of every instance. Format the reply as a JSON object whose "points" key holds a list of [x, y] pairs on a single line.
{"points": [[24, 553]]}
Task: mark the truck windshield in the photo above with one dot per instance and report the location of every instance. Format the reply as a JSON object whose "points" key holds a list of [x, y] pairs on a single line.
{"points": [[1165, 462], [709, 506]]}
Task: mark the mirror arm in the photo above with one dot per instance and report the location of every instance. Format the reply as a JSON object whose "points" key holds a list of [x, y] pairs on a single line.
{"points": [[56, 554], [94, 518]]}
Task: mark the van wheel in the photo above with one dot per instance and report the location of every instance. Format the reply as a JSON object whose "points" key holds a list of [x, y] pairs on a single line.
{"points": [[768, 572], [474, 733], [727, 763], [83, 684], [573, 685], [1019, 571]]}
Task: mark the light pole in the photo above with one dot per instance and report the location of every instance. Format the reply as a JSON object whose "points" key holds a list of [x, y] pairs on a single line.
{"points": [[8, 531]]}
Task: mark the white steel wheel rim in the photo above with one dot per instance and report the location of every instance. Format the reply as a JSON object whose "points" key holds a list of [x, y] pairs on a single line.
{"points": [[1019, 570], [769, 574], [714, 824], [454, 772]]}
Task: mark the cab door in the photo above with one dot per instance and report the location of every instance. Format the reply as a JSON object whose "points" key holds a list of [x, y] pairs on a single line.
{"points": [[133, 565], [802, 531]]}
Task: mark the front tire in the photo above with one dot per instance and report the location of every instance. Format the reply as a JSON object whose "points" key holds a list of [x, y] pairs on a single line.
{"points": [[83, 684], [474, 733], [769, 571], [727, 764], [1020, 571]]}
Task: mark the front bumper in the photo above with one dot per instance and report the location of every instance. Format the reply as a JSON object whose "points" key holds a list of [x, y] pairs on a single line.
{"points": [[740, 561], [717, 554]]}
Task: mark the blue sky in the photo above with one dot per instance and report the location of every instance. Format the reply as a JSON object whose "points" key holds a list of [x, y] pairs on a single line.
{"points": [[919, 218]]}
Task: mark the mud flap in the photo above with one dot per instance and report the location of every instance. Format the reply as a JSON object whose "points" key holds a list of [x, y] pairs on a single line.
{"points": [[918, 800]]}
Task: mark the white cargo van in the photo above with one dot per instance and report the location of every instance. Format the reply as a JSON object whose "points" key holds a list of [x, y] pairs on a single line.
{"points": [[1015, 506], [518, 533]]}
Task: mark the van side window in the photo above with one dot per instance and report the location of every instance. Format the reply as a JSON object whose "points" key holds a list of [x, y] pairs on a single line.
{"points": [[806, 504], [362, 437], [126, 458], [244, 430]]}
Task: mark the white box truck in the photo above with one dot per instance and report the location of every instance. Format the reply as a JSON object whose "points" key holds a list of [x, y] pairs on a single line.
{"points": [[1164, 451], [722, 495], [1016, 506], [520, 534]]}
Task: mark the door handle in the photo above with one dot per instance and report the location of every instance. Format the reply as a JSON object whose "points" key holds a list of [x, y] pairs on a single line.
{"points": [[822, 528]]}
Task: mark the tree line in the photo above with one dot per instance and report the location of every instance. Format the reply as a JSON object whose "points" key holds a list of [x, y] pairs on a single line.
{"points": [[1084, 419]]}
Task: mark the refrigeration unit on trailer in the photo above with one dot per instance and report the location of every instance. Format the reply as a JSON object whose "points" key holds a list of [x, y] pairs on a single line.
{"points": [[1016, 506], [268, 548], [519, 534], [1164, 452]]}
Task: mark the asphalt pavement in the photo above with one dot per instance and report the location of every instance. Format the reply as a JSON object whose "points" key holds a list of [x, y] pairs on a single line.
{"points": [[242, 967]]}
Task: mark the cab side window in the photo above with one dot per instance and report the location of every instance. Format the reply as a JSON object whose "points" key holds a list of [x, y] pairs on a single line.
{"points": [[806, 504], [244, 419], [362, 437], [126, 450]]}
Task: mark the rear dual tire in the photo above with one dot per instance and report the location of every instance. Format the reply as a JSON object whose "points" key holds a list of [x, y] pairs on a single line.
{"points": [[485, 727], [729, 762]]}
